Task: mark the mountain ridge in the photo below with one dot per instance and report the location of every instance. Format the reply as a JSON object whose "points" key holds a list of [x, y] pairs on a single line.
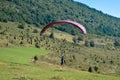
{"points": [[40, 13]]}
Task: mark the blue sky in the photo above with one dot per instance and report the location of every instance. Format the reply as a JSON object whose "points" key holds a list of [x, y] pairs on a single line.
{"points": [[111, 7]]}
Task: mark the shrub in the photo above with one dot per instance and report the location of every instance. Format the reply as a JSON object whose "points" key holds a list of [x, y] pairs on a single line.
{"points": [[21, 26], [21, 42], [37, 45], [52, 35], [95, 68], [117, 43], [92, 43], [35, 31], [90, 69]]}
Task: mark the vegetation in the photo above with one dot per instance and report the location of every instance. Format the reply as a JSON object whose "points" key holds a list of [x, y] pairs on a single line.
{"points": [[41, 12], [101, 53], [42, 71], [11, 68], [20, 55], [20, 23]]}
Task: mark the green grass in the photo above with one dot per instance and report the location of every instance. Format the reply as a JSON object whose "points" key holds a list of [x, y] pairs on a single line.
{"points": [[13, 67], [19, 55], [11, 71]]}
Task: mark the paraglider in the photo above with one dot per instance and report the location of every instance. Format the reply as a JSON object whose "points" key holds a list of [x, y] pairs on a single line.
{"points": [[78, 25], [81, 27]]}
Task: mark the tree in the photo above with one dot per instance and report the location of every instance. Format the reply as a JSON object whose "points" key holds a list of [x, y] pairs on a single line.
{"points": [[35, 59], [92, 43], [72, 32], [116, 43], [37, 45], [74, 39], [35, 31], [21, 26], [90, 69], [21, 42], [95, 68], [80, 38], [52, 35], [77, 39]]}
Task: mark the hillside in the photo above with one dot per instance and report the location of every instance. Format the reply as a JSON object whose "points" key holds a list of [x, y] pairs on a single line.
{"points": [[80, 55], [14, 69], [42, 12], [20, 25]]}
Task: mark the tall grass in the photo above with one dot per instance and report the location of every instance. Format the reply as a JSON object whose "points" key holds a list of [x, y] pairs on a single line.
{"points": [[11, 71]]}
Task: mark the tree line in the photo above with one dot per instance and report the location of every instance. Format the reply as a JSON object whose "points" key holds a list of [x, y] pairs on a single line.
{"points": [[42, 12]]}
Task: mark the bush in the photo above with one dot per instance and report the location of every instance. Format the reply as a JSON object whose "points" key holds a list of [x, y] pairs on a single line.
{"points": [[96, 68], [74, 39], [35, 31], [92, 44], [37, 45], [117, 43], [90, 69], [21, 26], [51, 36], [21, 42]]}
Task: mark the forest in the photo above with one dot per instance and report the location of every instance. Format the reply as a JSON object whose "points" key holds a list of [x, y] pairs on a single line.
{"points": [[42, 12]]}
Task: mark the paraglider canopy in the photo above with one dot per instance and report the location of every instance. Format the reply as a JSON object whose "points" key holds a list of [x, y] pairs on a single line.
{"points": [[78, 25]]}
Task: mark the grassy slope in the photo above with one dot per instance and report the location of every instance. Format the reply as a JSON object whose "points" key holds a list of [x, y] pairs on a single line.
{"points": [[19, 55], [41, 71], [46, 72]]}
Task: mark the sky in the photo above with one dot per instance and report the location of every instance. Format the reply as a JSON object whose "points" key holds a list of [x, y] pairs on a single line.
{"points": [[111, 7]]}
